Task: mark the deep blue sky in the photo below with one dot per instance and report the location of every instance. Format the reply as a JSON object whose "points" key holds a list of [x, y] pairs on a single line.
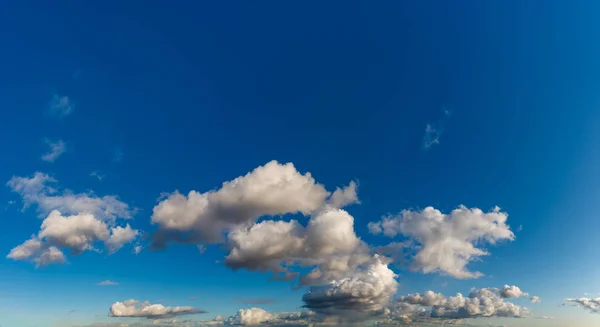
{"points": [[197, 93]]}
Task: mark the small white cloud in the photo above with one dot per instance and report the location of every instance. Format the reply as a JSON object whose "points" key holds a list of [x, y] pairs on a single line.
{"points": [[97, 175], [432, 136], [108, 283], [61, 105], [137, 249], [56, 150], [535, 299]]}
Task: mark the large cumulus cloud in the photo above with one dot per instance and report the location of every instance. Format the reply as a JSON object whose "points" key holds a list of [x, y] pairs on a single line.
{"points": [[272, 189], [447, 242]]}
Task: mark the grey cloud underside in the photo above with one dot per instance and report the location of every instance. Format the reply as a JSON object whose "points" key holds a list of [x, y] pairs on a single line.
{"points": [[590, 304]]}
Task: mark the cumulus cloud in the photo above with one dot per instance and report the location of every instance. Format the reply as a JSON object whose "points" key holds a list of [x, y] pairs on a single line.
{"points": [[591, 304], [365, 294], [446, 243], [56, 150], [40, 190], [535, 299], [76, 233], [261, 317], [269, 190], [61, 105], [228, 215], [108, 283], [431, 306], [512, 292], [135, 308], [329, 242]]}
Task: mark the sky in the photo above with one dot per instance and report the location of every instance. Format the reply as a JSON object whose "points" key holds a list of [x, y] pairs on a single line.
{"points": [[274, 163]]}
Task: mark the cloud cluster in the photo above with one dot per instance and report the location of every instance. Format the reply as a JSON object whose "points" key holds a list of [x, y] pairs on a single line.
{"points": [[447, 242], [39, 190], [77, 233], [431, 306], [135, 308], [591, 304]]}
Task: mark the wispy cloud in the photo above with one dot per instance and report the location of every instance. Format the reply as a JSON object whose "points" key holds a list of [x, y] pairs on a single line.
{"points": [[57, 148], [97, 175], [108, 283], [61, 105], [117, 155], [433, 131], [255, 300]]}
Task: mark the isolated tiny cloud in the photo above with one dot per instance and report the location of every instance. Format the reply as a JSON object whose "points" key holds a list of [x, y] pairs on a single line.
{"points": [[255, 301], [61, 105], [56, 149], [135, 308], [108, 283]]}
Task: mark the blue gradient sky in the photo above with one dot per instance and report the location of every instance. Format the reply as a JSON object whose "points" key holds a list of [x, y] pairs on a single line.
{"points": [[194, 94]]}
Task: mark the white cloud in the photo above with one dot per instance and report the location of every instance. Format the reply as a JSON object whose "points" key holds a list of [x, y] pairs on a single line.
{"points": [[261, 317], [76, 233], [135, 308], [512, 292], [363, 295], [269, 190], [97, 175], [447, 242], [56, 150], [61, 105], [535, 299], [108, 283], [591, 304], [432, 136], [38, 190]]}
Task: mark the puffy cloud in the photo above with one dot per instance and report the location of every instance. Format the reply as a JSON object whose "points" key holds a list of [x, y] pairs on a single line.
{"points": [[38, 190], [269, 190], [61, 105], [120, 236], [77, 233], [261, 317], [592, 304], [56, 150], [365, 294], [135, 308], [535, 299], [447, 242], [252, 316], [328, 241], [108, 283], [431, 306], [512, 292]]}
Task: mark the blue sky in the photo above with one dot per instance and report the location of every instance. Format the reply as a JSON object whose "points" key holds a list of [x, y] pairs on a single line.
{"points": [[438, 104]]}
